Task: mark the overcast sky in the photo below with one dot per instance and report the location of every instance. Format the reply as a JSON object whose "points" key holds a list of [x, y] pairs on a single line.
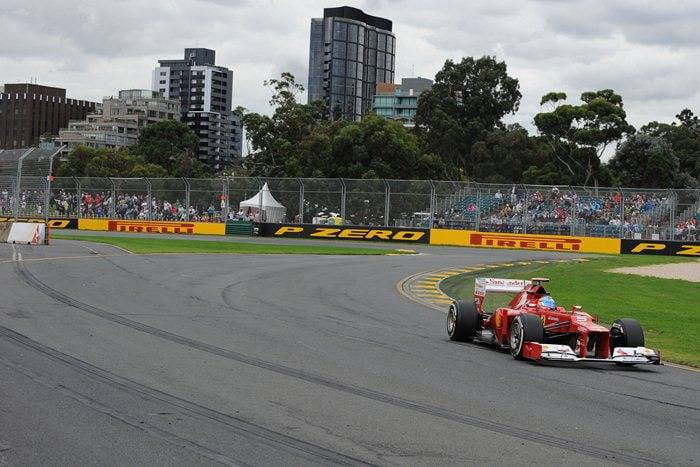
{"points": [[649, 51]]}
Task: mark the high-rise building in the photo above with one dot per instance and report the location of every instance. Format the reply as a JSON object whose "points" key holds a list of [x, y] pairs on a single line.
{"points": [[350, 52], [30, 111], [400, 101], [119, 120], [205, 91]]}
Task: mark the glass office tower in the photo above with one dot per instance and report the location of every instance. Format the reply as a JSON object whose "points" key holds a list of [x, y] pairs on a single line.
{"points": [[350, 52]]}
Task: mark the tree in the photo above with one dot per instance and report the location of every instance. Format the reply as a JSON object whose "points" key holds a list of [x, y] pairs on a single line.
{"points": [[577, 135], [275, 141], [505, 155], [84, 161], [685, 141], [166, 142], [645, 161], [468, 100]]}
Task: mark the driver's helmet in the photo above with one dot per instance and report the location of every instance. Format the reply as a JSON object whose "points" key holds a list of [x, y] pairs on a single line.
{"points": [[547, 302]]}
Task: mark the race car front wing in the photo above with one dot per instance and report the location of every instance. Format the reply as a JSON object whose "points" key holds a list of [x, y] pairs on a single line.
{"points": [[564, 353]]}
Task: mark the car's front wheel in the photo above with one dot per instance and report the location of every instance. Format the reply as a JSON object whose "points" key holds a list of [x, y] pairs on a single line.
{"points": [[626, 332], [525, 327]]}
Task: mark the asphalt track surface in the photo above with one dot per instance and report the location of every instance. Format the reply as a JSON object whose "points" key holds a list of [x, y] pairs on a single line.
{"points": [[108, 358]]}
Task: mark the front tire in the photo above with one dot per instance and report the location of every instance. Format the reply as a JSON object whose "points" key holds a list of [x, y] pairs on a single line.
{"points": [[525, 327], [462, 321], [626, 332]]}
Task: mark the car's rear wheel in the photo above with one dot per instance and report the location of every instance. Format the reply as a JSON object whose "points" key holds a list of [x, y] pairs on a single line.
{"points": [[525, 327], [626, 332], [462, 320]]}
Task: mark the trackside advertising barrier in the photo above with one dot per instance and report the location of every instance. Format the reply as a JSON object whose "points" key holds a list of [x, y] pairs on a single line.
{"points": [[381, 234], [53, 223], [139, 226], [27, 233], [669, 248], [524, 241]]}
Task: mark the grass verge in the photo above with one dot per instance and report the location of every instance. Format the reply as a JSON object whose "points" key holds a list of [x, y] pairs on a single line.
{"points": [[666, 308], [144, 245]]}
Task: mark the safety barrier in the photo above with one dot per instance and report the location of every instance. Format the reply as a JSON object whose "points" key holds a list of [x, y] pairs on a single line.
{"points": [[139, 226], [4, 231], [27, 233], [668, 248], [385, 234], [473, 238]]}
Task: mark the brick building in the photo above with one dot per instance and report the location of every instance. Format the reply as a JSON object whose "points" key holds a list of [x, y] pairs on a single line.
{"points": [[28, 111]]}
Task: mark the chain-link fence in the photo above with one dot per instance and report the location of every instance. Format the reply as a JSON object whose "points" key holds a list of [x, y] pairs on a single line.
{"points": [[26, 190], [25, 182]]}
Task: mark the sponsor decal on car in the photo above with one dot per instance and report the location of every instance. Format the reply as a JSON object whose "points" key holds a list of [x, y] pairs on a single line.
{"points": [[387, 234], [659, 247]]}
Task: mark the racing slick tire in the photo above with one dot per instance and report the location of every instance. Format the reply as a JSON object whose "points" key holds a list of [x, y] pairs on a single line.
{"points": [[526, 327], [462, 320], [626, 332]]}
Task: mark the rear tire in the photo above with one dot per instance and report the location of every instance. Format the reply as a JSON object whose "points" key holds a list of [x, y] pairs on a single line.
{"points": [[462, 321], [525, 327], [626, 332]]}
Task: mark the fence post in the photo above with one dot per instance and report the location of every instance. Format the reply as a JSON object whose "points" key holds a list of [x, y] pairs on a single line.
{"points": [[301, 200], [224, 195], [387, 202], [187, 198], [477, 217], [433, 202], [78, 197], [343, 196], [112, 212], [15, 209], [150, 198], [526, 209], [260, 201], [672, 217], [573, 212], [622, 212]]}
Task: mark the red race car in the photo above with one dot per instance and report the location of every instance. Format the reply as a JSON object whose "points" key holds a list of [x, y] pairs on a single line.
{"points": [[533, 327]]}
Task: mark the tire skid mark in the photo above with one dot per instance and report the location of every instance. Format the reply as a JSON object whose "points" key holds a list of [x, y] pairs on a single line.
{"points": [[236, 425], [396, 401]]}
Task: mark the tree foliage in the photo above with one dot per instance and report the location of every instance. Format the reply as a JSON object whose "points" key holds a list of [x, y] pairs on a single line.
{"points": [[684, 138], [164, 149], [645, 161], [85, 161], [577, 135], [299, 141], [467, 101]]}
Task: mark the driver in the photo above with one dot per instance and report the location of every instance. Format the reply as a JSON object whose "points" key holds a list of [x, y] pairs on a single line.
{"points": [[547, 302]]}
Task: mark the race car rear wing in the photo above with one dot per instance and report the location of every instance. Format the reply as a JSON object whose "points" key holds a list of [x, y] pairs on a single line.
{"points": [[482, 285], [490, 284]]}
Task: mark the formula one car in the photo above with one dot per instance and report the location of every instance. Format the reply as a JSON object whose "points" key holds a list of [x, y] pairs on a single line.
{"points": [[534, 328]]}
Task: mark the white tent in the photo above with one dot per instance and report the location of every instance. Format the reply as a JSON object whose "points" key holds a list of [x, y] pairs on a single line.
{"points": [[272, 210]]}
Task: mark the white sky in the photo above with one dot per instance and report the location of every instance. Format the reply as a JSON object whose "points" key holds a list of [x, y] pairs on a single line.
{"points": [[648, 51]]}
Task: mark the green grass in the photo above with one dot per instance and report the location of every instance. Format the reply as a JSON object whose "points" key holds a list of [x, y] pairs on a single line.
{"points": [[667, 309], [144, 245]]}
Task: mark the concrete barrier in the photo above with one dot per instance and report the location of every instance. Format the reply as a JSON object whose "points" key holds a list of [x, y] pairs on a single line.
{"points": [[4, 231], [27, 233]]}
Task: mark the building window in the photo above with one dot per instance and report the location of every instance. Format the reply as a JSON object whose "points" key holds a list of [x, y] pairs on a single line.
{"points": [[162, 81], [162, 73]]}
